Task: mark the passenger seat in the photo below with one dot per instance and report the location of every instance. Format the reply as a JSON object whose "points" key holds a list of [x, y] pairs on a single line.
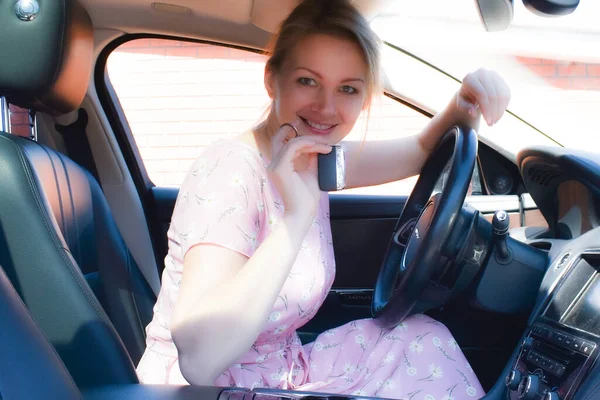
{"points": [[55, 224]]}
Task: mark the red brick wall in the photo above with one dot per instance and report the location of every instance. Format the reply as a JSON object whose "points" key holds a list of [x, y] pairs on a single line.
{"points": [[19, 121], [564, 74]]}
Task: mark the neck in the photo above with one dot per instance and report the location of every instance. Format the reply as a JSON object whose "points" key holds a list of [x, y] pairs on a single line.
{"points": [[263, 134]]}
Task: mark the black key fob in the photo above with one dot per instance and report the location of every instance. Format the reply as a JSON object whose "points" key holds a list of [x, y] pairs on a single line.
{"points": [[332, 170]]}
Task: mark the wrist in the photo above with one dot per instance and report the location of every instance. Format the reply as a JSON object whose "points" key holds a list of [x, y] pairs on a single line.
{"points": [[298, 223], [461, 115]]}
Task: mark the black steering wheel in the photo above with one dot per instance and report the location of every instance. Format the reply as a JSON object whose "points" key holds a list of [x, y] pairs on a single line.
{"points": [[417, 249]]}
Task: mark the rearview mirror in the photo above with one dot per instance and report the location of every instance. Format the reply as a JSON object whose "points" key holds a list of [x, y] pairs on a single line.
{"points": [[551, 8], [496, 15]]}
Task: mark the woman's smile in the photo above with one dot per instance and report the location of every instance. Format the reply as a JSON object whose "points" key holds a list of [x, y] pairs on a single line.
{"points": [[318, 128]]}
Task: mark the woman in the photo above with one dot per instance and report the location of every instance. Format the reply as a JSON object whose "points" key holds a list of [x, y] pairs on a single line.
{"points": [[250, 253]]}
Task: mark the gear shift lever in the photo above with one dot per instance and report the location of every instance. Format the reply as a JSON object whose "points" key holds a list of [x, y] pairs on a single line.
{"points": [[500, 224]]}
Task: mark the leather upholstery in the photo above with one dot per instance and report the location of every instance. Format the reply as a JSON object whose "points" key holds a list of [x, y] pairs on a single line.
{"points": [[46, 63], [25, 349], [40, 261], [59, 244], [93, 239]]}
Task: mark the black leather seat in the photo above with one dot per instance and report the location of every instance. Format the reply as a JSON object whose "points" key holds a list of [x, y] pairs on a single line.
{"points": [[24, 348], [56, 228]]}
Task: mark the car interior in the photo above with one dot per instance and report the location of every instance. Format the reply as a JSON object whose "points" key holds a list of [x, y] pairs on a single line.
{"points": [[83, 227]]}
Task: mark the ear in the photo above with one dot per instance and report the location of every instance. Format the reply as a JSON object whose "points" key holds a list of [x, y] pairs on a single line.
{"points": [[270, 81]]}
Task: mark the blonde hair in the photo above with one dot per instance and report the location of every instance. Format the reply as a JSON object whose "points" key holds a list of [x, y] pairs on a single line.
{"points": [[330, 17]]}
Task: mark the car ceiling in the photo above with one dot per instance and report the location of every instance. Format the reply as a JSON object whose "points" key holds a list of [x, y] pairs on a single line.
{"points": [[240, 22]]}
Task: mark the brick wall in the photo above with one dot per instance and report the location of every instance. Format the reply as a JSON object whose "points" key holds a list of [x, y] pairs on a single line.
{"points": [[178, 97], [564, 74], [19, 121]]}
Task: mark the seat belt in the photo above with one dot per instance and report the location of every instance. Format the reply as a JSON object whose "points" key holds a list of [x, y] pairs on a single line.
{"points": [[77, 144]]}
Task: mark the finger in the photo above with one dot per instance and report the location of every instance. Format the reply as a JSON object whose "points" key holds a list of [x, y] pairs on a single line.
{"points": [[312, 162], [503, 97], [284, 134], [281, 137], [299, 146], [487, 80], [475, 91], [467, 106]]}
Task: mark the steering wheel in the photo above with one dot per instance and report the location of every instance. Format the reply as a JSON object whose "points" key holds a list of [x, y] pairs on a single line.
{"points": [[417, 249]]}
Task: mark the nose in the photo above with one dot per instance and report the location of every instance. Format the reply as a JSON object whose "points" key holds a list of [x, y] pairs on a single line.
{"points": [[325, 103]]}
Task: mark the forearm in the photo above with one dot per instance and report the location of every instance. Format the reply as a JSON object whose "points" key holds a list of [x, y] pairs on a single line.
{"points": [[379, 162], [226, 320], [441, 122]]}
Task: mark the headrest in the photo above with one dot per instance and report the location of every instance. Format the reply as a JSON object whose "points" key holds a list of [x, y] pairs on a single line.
{"points": [[46, 49]]}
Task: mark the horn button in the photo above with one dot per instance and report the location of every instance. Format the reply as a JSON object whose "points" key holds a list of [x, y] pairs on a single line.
{"points": [[418, 233]]}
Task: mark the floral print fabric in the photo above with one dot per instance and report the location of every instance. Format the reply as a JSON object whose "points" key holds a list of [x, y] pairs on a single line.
{"points": [[227, 200]]}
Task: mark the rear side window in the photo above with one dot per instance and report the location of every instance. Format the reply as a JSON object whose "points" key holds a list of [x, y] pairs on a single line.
{"points": [[19, 121]]}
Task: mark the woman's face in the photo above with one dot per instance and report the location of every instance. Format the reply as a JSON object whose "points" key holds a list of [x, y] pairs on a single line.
{"points": [[322, 83]]}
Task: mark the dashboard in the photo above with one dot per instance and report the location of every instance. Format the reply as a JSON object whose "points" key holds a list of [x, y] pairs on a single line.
{"points": [[576, 209], [558, 356]]}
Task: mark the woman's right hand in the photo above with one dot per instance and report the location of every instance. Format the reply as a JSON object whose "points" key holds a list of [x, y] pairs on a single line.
{"points": [[293, 171]]}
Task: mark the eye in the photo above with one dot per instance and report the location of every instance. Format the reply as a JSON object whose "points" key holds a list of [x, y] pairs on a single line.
{"points": [[348, 89], [307, 81]]}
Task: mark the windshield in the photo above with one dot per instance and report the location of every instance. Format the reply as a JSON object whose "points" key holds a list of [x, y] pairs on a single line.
{"points": [[552, 65]]}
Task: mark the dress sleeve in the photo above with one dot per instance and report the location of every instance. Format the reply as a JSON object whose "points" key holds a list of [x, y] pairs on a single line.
{"points": [[221, 203]]}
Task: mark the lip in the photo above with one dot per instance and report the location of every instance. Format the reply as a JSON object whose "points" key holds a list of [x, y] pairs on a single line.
{"points": [[316, 131]]}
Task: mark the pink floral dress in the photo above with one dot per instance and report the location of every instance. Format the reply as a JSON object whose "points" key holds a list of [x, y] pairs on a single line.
{"points": [[227, 200]]}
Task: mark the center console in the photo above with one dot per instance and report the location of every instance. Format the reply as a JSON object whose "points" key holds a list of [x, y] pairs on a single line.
{"points": [[562, 344]]}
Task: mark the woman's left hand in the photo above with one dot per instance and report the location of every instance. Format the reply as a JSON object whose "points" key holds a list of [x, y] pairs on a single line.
{"points": [[484, 92]]}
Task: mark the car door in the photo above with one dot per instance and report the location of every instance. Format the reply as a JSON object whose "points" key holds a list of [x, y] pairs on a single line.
{"points": [[178, 97]]}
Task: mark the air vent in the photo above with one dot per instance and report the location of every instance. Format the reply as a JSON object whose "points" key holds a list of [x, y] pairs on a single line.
{"points": [[542, 174], [546, 246]]}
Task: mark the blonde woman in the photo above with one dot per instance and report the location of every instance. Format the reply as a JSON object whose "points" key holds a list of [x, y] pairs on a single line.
{"points": [[250, 252]]}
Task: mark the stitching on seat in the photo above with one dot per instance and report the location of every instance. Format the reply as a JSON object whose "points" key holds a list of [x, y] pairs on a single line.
{"points": [[38, 201], [79, 253], [60, 201]]}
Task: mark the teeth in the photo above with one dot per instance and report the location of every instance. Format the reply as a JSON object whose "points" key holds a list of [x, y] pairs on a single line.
{"points": [[317, 126]]}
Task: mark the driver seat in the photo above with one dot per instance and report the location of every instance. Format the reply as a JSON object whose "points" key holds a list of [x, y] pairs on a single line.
{"points": [[59, 244]]}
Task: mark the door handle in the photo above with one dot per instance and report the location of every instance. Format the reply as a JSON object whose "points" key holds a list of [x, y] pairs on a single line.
{"points": [[355, 297]]}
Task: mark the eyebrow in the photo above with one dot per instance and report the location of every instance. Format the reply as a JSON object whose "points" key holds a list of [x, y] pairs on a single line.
{"points": [[319, 75]]}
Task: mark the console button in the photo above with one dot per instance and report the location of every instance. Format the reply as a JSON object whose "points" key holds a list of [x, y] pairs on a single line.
{"points": [[577, 344], [560, 338], [545, 332], [586, 348], [568, 341]]}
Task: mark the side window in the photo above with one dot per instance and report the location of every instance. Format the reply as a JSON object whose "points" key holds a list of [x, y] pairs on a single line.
{"points": [[179, 97], [19, 121], [388, 119]]}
